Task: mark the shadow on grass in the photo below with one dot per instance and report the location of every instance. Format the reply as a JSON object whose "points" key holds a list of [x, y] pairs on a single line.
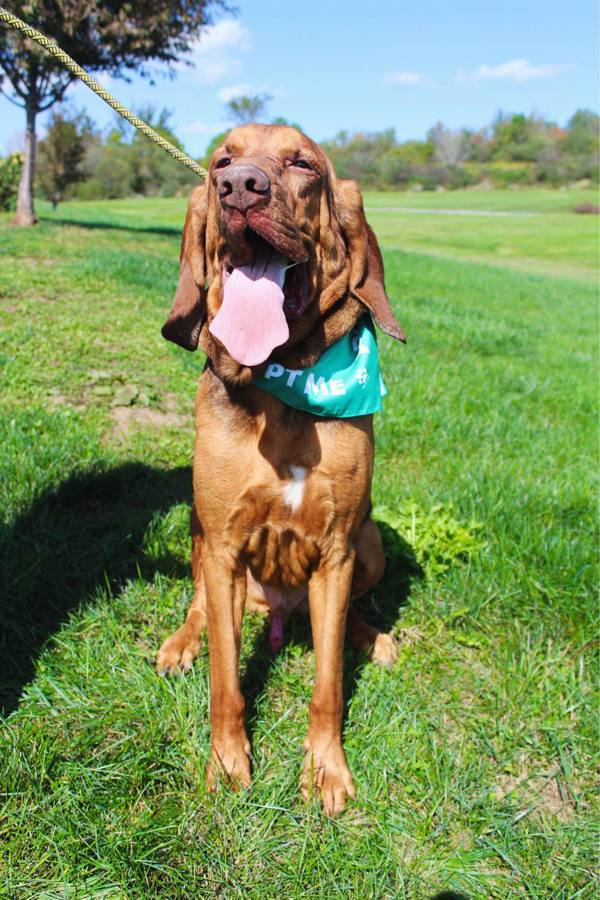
{"points": [[381, 607], [450, 895], [86, 533], [164, 230], [89, 532]]}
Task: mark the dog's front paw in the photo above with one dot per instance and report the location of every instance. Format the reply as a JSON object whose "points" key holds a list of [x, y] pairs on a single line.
{"points": [[326, 773], [230, 761], [384, 651], [178, 652]]}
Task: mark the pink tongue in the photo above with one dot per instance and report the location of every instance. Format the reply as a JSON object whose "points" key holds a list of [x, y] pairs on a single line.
{"points": [[251, 321]]}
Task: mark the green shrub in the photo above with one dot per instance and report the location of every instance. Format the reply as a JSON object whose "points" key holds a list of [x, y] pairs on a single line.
{"points": [[10, 173], [435, 539], [557, 172], [460, 177], [505, 176]]}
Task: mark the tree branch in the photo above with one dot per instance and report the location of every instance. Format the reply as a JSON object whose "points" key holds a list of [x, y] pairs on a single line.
{"points": [[10, 99]]}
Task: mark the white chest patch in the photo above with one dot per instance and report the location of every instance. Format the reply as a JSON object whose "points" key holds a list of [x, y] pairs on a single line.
{"points": [[293, 491]]}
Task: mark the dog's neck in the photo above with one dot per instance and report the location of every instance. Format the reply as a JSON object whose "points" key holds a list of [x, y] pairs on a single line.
{"points": [[283, 434]]}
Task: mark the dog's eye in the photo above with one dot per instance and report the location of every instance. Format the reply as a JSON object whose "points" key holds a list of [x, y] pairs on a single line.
{"points": [[301, 164], [222, 163]]}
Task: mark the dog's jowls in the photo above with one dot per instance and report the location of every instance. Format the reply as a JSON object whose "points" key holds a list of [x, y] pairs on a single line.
{"points": [[281, 497]]}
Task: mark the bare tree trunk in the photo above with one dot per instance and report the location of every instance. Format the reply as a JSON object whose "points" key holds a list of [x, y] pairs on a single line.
{"points": [[25, 211]]}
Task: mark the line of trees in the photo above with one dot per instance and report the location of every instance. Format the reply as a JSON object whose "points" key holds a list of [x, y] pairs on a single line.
{"points": [[515, 149], [115, 38], [76, 159], [121, 37]]}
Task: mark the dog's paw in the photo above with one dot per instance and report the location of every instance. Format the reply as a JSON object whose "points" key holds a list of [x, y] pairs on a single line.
{"points": [[384, 651], [229, 762], [178, 652], [327, 775]]}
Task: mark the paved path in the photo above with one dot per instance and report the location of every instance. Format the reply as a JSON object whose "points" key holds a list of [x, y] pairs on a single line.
{"points": [[447, 212]]}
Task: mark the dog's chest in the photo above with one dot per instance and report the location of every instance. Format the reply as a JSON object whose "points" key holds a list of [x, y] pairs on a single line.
{"points": [[282, 526], [279, 490]]}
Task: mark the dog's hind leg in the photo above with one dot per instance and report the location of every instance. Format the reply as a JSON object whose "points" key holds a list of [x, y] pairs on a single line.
{"points": [[181, 649], [368, 569]]}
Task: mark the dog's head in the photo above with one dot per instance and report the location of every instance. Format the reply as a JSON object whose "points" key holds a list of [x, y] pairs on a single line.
{"points": [[277, 258]]}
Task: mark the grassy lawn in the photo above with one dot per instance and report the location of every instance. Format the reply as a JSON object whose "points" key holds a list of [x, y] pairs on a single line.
{"points": [[530, 230], [521, 200], [474, 757]]}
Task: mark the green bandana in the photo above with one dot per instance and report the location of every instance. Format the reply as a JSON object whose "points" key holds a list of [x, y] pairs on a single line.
{"points": [[344, 382]]}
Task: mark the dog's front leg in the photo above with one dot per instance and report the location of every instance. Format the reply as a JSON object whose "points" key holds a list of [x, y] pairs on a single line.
{"points": [[325, 765], [225, 598]]}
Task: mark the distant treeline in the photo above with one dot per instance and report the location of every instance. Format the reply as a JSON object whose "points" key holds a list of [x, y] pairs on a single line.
{"points": [[514, 150], [75, 159]]}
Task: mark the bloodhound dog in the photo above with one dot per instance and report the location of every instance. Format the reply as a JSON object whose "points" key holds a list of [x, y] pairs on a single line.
{"points": [[277, 264]]}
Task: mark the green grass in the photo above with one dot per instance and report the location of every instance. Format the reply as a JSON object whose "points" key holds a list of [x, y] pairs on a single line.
{"points": [[474, 757], [521, 200], [530, 230]]}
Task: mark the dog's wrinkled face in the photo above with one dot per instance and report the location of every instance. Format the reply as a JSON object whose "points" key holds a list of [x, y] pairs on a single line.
{"points": [[267, 180], [264, 192], [276, 253]]}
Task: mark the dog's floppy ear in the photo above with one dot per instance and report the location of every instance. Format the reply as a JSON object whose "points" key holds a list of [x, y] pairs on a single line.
{"points": [[366, 264], [188, 312]]}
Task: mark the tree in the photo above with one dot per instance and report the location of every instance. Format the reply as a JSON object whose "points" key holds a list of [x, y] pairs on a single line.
{"points": [[519, 138], [448, 145], [60, 156], [244, 110], [582, 133], [212, 146], [154, 173], [362, 156], [478, 145], [245, 101], [281, 120], [113, 38]]}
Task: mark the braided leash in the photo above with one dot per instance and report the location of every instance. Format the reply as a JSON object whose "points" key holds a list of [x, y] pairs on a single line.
{"points": [[52, 47]]}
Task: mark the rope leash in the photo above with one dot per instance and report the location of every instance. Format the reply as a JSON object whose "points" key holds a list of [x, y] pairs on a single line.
{"points": [[52, 47]]}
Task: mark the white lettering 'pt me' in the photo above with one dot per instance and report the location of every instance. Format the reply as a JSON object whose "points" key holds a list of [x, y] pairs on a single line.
{"points": [[293, 491]]}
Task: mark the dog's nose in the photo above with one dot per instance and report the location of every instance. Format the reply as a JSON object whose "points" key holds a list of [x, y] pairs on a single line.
{"points": [[242, 186]]}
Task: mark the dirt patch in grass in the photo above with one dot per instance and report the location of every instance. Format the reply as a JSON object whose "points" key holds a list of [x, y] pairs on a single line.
{"points": [[36, 261], [55, 398], [409, 636], [546, 793], [128, 418]]}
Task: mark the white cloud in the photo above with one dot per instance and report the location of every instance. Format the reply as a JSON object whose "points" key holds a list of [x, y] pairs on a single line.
{"points": [[225, 35], [516, 70], [216, 53], [230, 91], [406, 78]]}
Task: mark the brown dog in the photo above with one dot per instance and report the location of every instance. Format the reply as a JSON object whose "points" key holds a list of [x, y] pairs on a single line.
{"points": [[281, 497]]}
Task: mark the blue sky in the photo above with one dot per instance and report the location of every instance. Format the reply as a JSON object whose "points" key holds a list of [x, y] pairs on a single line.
{"points": [[368, 66]]}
